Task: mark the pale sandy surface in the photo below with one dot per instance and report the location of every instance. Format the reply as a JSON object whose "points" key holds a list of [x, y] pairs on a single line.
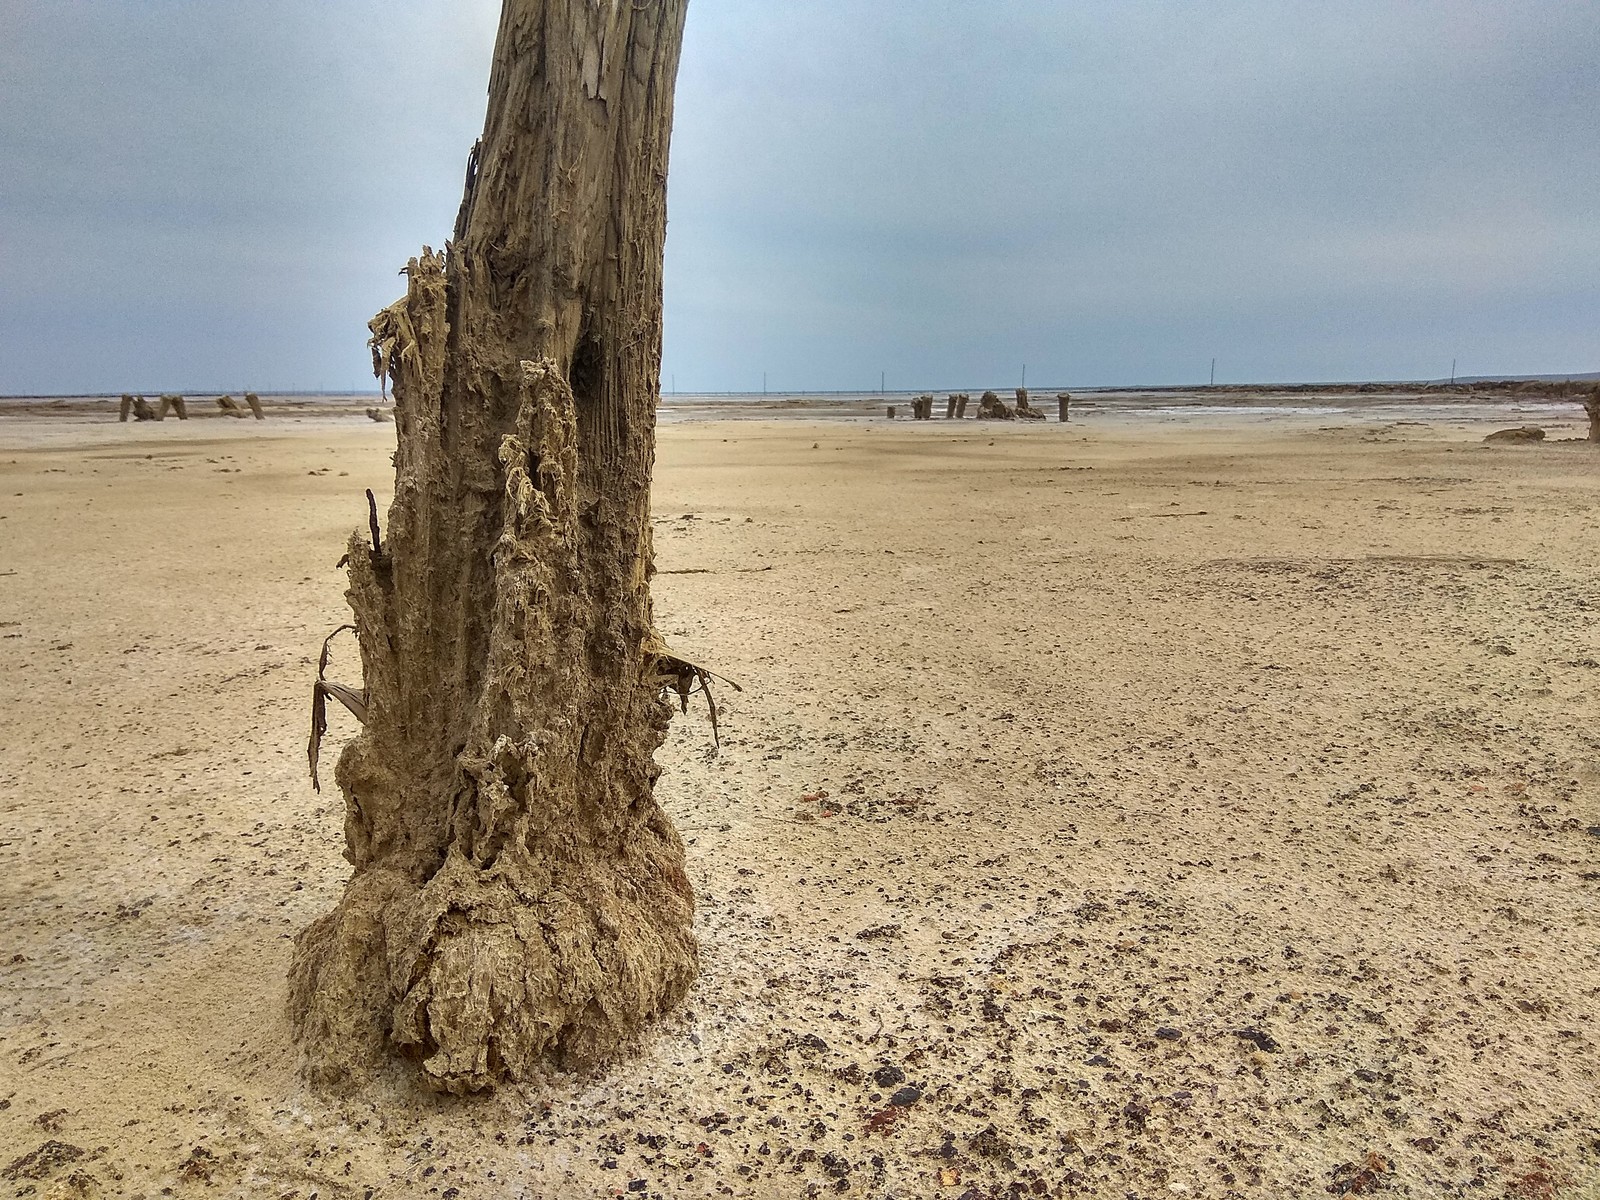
{"points": [[1136, 736]]}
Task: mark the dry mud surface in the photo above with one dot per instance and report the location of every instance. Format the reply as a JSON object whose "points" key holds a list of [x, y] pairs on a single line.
{"points": [[1210, 811]]}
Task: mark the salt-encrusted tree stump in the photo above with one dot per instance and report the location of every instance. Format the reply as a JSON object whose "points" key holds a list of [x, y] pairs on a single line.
{"points": [[519, 898]]}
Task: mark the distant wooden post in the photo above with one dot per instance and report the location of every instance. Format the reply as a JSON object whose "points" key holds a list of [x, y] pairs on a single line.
{"points": [[961, 406], [254, 401], [230, 406], [1063, 403], [172, 403], [127, 407], [891, 412]]}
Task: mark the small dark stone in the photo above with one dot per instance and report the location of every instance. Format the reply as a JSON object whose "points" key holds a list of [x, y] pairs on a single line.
{"points": [[637, 1185], [1262, 1041], [1137, 1114], [1168, 1034], [812, 1042], [888, 1075], [1367, 1076], [1098, 1060], [989, 1143], [878, 932], [906, 1096]]}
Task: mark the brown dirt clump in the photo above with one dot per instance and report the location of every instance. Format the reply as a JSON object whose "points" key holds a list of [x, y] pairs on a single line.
{"points": [[1522, 435]]}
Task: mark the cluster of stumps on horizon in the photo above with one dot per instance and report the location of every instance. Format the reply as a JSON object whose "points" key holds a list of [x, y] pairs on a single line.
{"points": [[990, 407]]}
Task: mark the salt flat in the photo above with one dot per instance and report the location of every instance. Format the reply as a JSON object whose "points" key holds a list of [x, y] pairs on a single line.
{"points": [[1213, 808]]}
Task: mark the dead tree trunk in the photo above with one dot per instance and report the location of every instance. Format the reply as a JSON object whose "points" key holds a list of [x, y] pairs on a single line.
{"points": [[1591, 406], [254, 401], [127, 407], [1063, 407], [518, 898]]}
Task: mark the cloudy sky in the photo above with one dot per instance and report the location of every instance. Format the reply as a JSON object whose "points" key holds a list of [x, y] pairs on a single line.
{"points": [[200, 194]]}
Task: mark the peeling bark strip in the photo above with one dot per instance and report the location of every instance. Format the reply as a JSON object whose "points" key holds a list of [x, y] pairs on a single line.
{"points": [[519, 898]]}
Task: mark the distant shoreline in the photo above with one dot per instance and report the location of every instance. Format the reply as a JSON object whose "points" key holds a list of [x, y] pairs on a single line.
{"points": [[1465, 385]]}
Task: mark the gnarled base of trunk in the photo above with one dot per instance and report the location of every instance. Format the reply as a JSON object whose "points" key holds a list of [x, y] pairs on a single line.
{"points": [[488, 975]]}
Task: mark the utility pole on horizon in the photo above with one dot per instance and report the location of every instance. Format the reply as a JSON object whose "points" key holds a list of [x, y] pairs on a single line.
{"points": [[1452, 370], [1213, 373]]}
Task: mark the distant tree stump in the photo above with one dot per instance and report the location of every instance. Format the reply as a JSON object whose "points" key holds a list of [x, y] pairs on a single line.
{"points": [[992, 408], [142, 410], [127, 407], [1024, 409], [1591, 406], [961, 406], [173, 403], [891, 412], [230, 406], [950, 408], [1063, 406], [254, 401]]}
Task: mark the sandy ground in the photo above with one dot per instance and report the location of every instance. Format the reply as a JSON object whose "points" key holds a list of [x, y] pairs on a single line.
{"points": [[1212, 809]]}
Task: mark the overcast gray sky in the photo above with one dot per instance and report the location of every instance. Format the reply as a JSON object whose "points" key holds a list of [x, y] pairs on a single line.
{"points": [[201, 194]]}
